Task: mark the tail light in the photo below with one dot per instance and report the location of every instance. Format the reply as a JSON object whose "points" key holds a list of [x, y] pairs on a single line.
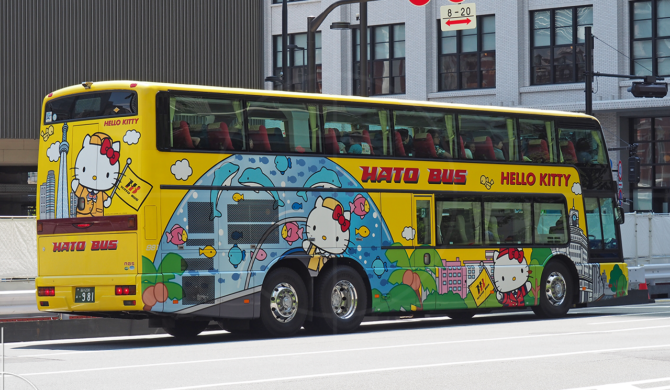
{"points": [[46, 291], [125, 290]]}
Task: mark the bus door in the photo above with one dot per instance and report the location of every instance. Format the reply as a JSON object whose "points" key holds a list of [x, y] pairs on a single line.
{"points": [[424, 261], [603, 231]]}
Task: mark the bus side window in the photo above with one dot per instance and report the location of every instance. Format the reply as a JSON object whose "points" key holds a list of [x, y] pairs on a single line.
{"points": [[283, 127], [423, 234], [507, 221], [417, 125], [458, 221], [537, 141], [494, 138], [551, 226], [357, 130]]}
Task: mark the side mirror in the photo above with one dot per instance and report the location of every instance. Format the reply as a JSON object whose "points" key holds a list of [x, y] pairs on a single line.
{"points": [[619, 215]]}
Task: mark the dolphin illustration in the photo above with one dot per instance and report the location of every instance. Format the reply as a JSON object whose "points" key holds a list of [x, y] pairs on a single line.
{"points": [[223, 176], [254, 177], [323, 178]]}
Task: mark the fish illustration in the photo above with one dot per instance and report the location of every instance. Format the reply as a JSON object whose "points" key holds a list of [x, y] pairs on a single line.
{"points": [[238, 197], [260, 254], [177, 235], [363, 231], [236, 235], [223, 177], [236, 255], [379, 267], [208, 251], [291, 232], [254, 177], [360, 206], [325, 178], [282, 163], [296, 206]]}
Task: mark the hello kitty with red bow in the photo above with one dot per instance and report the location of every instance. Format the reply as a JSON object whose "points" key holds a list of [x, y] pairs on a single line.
{"points": [[96, 170], [510, 276], [327, 229]]}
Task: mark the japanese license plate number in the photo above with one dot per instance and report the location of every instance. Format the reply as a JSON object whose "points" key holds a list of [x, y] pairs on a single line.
{"points": [[84, 294]]}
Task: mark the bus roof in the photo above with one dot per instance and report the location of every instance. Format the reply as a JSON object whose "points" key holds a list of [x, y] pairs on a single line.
{"points": [[127, 84]]}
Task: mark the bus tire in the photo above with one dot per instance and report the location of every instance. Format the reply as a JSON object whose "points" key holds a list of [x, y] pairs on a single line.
{"points": [[186, 329], [556, 291], [461, 315], [340, 300], [284, 303]]}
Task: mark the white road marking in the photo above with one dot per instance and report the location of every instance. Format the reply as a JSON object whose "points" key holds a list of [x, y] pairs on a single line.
{"points": [[633, 314], [340, 351], [630, 385], [422, 366], [623, 322]]}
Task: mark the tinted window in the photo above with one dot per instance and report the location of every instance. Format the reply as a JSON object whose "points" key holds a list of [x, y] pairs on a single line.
{"points": [[581, 146], [423, 222], [283, 127], [507, 222], [536, 139], [494, 138], [550, 224], [424, 134], [91, 105], [354, 130], [459, 222]]}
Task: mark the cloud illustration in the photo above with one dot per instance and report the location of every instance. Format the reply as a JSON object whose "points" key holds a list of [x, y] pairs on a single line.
{"points": [[577, 189], [181, 170], [408, 233], [52, 152], [132, 137]]}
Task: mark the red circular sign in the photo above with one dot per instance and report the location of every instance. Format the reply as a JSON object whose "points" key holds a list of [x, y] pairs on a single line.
{"points": [[420, 2], [456, 1]]}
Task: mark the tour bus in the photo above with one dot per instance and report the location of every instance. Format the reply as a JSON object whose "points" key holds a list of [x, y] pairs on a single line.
{"points": [[274, 211]]}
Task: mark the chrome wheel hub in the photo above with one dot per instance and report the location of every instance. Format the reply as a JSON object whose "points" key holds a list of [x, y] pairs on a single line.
{"points": [[556, 289], [284, 302], [344, 299]]}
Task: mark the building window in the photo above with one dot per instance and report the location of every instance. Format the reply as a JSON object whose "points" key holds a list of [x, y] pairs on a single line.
{"points": [[650, 37], [386, 60], [468, 57], [297, 62], [281, 1], [653, 138], [557, 45]]}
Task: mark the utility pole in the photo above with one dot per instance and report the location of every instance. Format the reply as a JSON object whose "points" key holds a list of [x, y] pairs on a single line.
{"points": [[284, 46], [588, 76]]}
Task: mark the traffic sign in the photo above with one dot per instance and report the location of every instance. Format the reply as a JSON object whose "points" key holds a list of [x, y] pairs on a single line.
{"points": [[458, 17], [620, 171], [620, 197]]}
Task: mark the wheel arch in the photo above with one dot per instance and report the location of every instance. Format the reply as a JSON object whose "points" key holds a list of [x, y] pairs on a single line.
{"points": [[570, 265], [300, 268]]}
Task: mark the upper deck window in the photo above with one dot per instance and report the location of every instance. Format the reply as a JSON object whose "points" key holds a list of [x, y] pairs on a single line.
{"points": [[489, 138], [91, 105], [581, 146]]}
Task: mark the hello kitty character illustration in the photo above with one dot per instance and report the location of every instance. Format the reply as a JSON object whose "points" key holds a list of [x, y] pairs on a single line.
{"points": [[96, 170], [510, 276], [327, 231]]}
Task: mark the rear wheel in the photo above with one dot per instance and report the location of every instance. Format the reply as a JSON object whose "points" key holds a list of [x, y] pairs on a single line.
{"points": [[186, 329], [340, 300], [283, 303], [556, 291]]}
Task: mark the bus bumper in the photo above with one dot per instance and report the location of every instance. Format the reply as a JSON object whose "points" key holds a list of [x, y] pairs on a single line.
{"points": [[104, 294]]}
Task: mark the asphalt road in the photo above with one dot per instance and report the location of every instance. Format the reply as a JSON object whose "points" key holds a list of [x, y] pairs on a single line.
{"points": [[625, 347]]}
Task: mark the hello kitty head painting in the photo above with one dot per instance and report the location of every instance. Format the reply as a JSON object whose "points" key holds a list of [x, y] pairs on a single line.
{"points": [[96, 170], [510, 276], [327, 228]]}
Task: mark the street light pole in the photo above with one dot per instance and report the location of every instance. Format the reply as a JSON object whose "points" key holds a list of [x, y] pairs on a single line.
{"points": [[284, 45], [588, 76], [313, 24], [364, 48]]}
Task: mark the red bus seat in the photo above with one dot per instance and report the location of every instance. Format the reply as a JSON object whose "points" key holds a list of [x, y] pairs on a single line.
{"points": [[260, 140], [424, 146], [330, 142], [182, 137], [537, 150], [399, 147], [568, 150], [484, 149]]}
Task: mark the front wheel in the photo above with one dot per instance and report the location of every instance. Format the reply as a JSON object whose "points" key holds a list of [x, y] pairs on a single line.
{"points": [[556, 291], [340, 300], [186, 329], [283, 303]]}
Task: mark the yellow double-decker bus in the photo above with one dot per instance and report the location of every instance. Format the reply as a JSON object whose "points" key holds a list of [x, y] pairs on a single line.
{"points": [[275, 211]]}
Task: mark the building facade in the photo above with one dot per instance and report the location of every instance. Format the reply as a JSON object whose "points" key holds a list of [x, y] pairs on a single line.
{"points": [[526, 53], [48, 45]]}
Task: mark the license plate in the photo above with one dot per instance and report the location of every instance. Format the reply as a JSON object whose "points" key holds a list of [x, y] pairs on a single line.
{"points": [[84, 294]]}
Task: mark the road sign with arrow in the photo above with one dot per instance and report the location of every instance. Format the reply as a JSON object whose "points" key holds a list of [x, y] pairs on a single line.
{"points": [[458, 17]]}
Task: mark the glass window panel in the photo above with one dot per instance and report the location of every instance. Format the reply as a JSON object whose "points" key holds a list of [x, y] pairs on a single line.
{"points": [[448, 63], [563, 73], [201, 123], [642, 29], [361, 130], [459, 222], [662, 153], [662, 176], [663, 47], [399, 32], [551, 226], [489, 24], [607, 217], [448, 81], [421, 122], [642, 200], [448, 45], [585, 16], [423, 235], [470, 31], [541, 57], [381, 51], [541, 37], [282, 127], [488, 42], [580, 54], [645, 176], [398, 49], [563, 17], [448, 33], [541, 19], [644, 152], [382, 34], [641, 10], [488, 60], [398, 68], [489, 79], [642, 49], [317, 54], [381, 69], [469, 62], [642, 128], [663, 27], [279, 59], [563, 36], [663, 8], [563, 55], [662, 128], [581, 33], [399, 84], [469, 80], [541, 75], [580, 72], [595, 234], [663, 66], [507, 222], [489, 134], [382, 86], [589, 145], [468, 43], [643, 67], [536, 141]]}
